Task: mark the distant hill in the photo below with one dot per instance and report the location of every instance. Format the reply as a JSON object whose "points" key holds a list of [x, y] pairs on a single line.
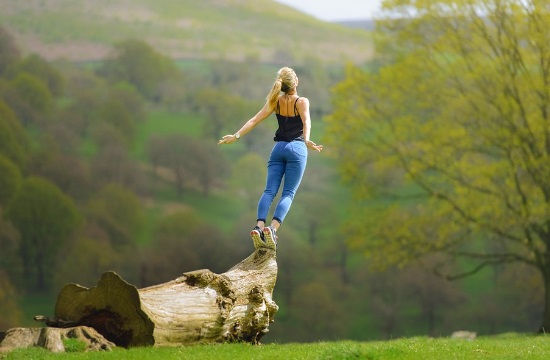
{"points": [[84, 30], [366, 24]]}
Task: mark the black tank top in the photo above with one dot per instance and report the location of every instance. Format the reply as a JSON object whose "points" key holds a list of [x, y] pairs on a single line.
{"points": [[290, 127]]}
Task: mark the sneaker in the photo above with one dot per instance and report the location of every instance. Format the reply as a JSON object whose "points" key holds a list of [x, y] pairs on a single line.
{"points": [[270, 238], [257, 237]]}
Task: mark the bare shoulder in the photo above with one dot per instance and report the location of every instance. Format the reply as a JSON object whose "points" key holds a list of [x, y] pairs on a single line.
{"points": [[303, 102]]}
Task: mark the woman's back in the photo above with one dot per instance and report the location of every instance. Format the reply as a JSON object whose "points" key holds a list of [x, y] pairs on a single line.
{"points": [[287, 105], [290, 123]]}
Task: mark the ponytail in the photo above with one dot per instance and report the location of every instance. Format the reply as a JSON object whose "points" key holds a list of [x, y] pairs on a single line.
{"points": [[286, 80], [273, 95]]}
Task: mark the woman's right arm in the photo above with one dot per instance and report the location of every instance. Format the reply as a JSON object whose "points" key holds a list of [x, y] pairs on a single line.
{"points": [[249, 125], [303, 109]]}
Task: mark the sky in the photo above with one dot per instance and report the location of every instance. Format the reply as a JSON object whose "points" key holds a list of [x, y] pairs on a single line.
{"points": [[334, 10]]}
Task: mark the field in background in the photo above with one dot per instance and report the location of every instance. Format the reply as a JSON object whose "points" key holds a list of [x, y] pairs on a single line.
{"points": [[84, 30]]}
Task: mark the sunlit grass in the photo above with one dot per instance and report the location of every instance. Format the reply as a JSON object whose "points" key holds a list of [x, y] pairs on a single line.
{"points": [[512, 346], [165, 123]]}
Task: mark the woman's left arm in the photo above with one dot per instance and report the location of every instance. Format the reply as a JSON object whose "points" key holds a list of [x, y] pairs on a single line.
{"points": [[303, 109], [248, 126]]}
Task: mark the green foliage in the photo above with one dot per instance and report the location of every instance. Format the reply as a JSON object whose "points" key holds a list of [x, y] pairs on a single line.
{"points": [[10, 243], [183, 241], [244, 178], [115, 115], [472, 145], [119, 213], [222, 110], [30, 98], [139, 64], [8, 303], [86, 259], [310, 300], [14, 141], [193, 163], [454, 121], [10, 180], [40, 68], [46, 219]]}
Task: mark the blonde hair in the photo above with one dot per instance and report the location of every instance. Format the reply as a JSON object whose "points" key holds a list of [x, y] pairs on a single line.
{"points": [[285, 81]]}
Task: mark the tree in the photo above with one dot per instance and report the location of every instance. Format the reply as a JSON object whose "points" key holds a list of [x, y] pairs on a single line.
{"points": [[14, 142], [178, 244], [245, 179], [193, 163], [172, 152], [10, 243], [46, 219], [10, 312], [169, 253], [85, 260], [115, 115], [455, 126], [118, 211], [53, 161], [113, 163], [137, 63], [207, 165], [9, 53], [10, 180], [40, 68], [30, 98], [223, 110], [311, 299], [110, 116]]}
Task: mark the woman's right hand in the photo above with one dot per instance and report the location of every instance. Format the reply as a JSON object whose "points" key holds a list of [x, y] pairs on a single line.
{"points": [[313, 146]]}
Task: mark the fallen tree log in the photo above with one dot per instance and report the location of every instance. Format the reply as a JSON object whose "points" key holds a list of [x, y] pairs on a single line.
{"points": [[198, 307]]}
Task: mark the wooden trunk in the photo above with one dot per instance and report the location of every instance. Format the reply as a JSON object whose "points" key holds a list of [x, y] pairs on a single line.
{"points": [[198, 307]]}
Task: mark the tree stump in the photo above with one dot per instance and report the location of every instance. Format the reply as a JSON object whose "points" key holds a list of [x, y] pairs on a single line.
{"points": [[198, 307]]}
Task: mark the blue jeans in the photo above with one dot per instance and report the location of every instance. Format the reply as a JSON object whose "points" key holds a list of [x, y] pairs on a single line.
{"points": [[287, 159]]}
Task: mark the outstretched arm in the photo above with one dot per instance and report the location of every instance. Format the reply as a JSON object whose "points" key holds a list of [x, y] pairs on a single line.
{"points": [[303, 109], [248, 126]]}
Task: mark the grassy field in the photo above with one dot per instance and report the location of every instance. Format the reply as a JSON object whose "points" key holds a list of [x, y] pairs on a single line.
{"points": [[509, 346], [230, 29]]}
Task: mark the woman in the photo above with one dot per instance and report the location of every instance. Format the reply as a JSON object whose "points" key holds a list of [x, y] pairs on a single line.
{"points": [[289, 155]]}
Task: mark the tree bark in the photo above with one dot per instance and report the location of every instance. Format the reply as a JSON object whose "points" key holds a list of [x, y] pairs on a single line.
{"points": [[198, 307]]}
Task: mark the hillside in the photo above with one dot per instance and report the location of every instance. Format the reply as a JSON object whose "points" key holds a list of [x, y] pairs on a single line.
{"points": [[84, 30]]}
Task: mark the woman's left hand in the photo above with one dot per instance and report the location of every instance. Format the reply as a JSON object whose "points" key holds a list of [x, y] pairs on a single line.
{"points": [[313, 146], [227, 139]]}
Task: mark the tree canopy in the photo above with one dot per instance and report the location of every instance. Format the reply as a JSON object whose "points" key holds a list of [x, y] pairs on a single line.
{"points": [[46, 219], [447, 143], [14, 142], [10, 180], [137, 63]]}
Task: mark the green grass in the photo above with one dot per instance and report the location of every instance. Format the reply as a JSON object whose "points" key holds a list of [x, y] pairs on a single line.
{"points": [[511, 346], [165, 123]]}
